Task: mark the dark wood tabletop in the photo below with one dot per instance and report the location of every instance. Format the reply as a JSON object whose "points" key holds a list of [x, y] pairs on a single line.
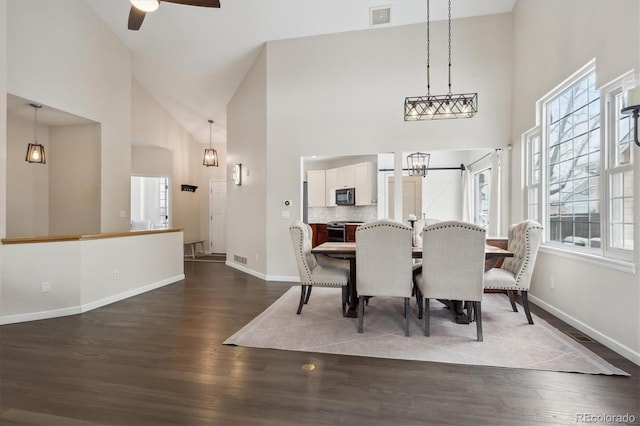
{"points": [[347, 250]]}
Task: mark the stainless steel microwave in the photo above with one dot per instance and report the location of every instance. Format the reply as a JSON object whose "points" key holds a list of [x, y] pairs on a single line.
{"points": [[346, 197]]}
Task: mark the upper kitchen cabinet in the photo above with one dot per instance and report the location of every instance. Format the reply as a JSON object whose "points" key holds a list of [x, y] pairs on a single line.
{"points": [[366, 183], [346, 177], [316, 188], [331, 183]]}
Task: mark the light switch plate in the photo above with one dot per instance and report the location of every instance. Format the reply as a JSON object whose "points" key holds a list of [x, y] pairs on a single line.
{"points": [[285, 214]]}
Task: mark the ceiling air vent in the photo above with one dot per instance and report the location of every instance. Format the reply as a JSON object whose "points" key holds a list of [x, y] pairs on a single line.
{"points": [[379, 16]]}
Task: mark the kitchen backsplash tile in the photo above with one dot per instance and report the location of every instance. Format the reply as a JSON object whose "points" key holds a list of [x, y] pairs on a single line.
{"points": [[330, 214]]}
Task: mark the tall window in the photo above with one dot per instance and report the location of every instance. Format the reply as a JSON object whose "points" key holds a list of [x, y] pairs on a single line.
{"points": [[579, 168], [620, 177], [573, 136], [532, 179], [481, 197]]}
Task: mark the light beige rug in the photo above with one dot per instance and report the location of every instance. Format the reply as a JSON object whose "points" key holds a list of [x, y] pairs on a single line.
{"points": [[509, 341]]}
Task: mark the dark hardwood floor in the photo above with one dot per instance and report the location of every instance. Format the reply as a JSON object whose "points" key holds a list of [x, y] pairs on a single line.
{"points": [[158, 359]]}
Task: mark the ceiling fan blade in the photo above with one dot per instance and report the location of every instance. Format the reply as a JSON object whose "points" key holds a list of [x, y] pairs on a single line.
{"points": [[202, 3], [136, 16]]}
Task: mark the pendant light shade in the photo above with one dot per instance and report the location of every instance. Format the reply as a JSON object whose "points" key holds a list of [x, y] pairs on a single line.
{"points": [[35, 151], [418, 164], [146, 5], [210, 158], [439, 107]]}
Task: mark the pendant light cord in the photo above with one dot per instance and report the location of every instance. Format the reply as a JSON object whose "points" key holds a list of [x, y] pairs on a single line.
{"points": [[449, 47], [428, 54], [35, 126], [210, 124]]}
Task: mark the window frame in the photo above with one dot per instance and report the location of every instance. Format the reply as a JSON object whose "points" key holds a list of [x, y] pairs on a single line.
{"points": [[611, 168], [607, 169]]}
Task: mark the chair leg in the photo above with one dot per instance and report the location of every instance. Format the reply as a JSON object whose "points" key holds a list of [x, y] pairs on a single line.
{"points": [[345, 299], [427, 312], [512, 299], [303, 291], [478, 313], [419, 302], [407, 317], [525, 305], [306, 300], [360, 314], [469, 307]]}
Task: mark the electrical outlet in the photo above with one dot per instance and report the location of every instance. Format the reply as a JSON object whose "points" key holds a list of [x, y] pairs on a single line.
{"points": [[257, 258], [552, 282], [45, 287], [116, 275]]}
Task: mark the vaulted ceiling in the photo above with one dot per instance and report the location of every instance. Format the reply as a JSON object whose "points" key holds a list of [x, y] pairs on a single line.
{"points": [[192, 59]]}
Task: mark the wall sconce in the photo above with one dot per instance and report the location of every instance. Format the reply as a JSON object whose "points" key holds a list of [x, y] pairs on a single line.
{"points": [[237, 174], [35, 151], [631, 102]]}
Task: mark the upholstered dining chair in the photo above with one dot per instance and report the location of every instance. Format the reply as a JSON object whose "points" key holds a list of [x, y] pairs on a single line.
{"points": [[515, 273], [312, 272], [452, 268], [383, 264]]}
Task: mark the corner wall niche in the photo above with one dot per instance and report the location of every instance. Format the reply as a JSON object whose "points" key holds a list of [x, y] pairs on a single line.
{"points": [[62, 196]]}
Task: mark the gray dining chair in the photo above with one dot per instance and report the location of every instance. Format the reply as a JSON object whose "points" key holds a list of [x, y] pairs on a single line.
{"points": [[515, 273], [383, 264], [452, 268], [312, 272]]}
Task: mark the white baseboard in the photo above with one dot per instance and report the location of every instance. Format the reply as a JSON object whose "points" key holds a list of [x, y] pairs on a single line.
{"points": [[73, 310], [286, 278], [35, 316], [244, 269], [614, 345], [130, 293]]}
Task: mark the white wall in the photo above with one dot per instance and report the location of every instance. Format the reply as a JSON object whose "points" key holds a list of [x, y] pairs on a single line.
{"points": [[247, 226], [62, 55], [342, 94], [552, 40], [164, 148], [81, 273], [27, 206], [74, 179]]}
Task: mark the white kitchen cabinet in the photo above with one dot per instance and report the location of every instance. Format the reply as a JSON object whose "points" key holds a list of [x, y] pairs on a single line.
{"points": [[331, 183], [346, 177], [316, 191], [366, 183]]}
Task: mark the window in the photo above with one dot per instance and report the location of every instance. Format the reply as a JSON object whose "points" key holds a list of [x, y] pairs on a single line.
{"points": [[578, 168], [481, 197], [532, 178], [620, 176]]}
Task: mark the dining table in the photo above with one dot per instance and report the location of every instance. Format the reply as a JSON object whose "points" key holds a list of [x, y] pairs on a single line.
{"points": [[347, 250]]}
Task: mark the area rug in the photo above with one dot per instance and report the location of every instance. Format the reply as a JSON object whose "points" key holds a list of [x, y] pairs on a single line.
{"points": [[509, 341]]}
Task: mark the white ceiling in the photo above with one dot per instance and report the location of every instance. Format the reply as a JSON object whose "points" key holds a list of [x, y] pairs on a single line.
{"points": [[192, 59]]}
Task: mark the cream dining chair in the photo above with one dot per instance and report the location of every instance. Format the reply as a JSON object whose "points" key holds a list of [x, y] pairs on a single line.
{"points": [[383, 264], [313, 271], [515, 273], [452, 268]]}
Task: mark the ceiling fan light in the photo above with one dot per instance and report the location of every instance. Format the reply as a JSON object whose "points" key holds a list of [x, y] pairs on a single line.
{"points": [[146, 5]]}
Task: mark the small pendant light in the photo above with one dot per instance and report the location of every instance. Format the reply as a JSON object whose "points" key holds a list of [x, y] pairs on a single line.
{"points": [[210, 155], [35, 151]]}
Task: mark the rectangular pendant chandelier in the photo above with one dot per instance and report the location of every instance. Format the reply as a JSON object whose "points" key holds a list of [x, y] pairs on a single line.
{"points": [[440, 107]]}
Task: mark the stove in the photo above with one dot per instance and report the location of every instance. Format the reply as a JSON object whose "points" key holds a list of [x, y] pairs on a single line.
{"points": [[337, 230]]}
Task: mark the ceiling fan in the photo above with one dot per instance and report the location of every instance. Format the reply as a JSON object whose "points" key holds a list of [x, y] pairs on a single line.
{"points": [[139, 9]]}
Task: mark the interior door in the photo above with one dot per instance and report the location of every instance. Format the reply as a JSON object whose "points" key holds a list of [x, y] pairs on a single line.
{"points": [[217, 216], [411, 196]]}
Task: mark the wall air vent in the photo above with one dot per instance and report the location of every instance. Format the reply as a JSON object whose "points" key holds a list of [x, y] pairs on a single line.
{"points": [[379, 15]]}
